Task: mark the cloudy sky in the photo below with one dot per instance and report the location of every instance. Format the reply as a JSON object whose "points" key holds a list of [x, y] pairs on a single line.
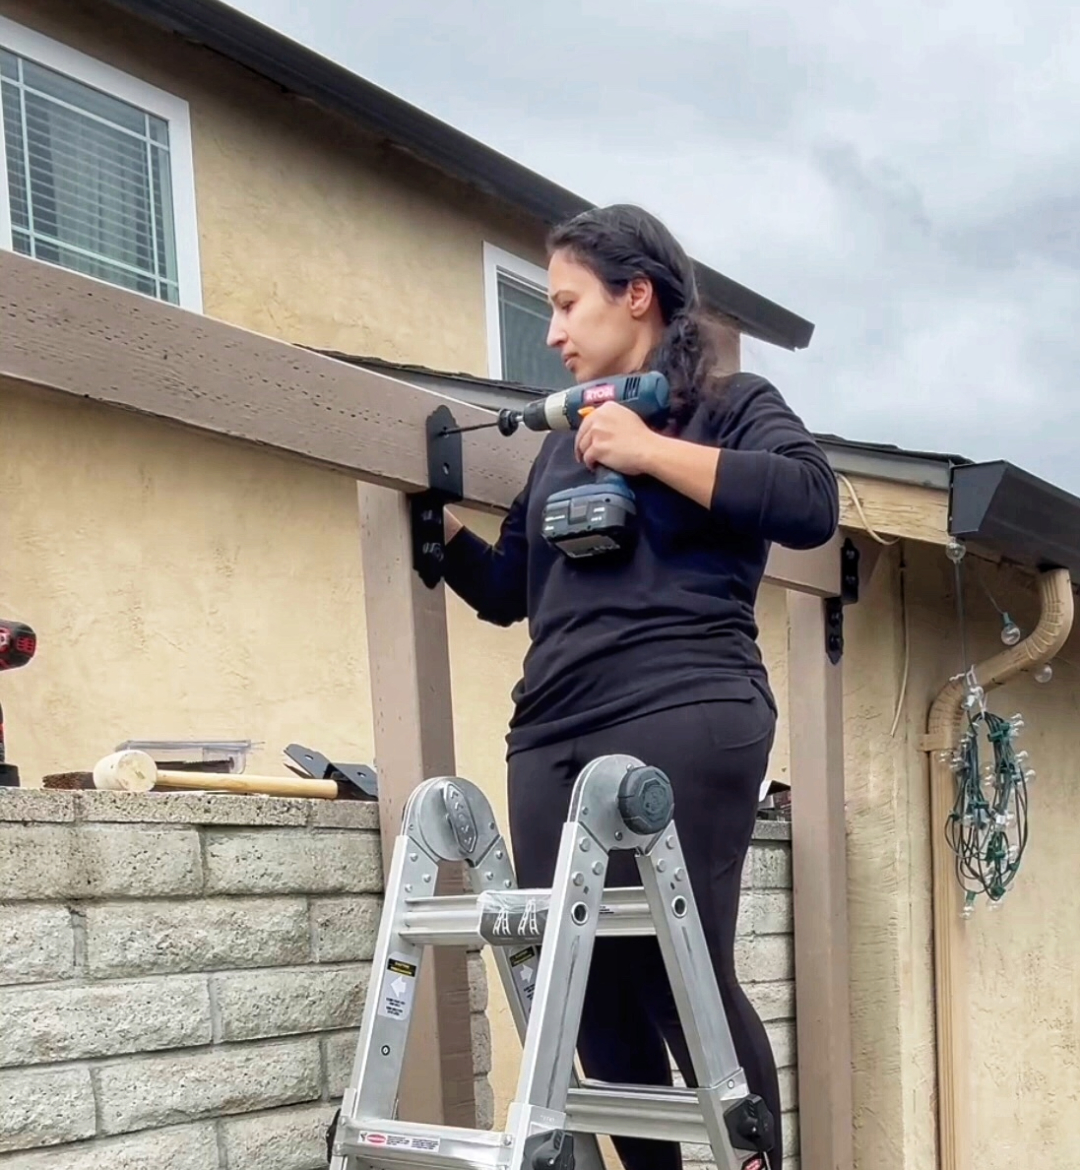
{"points": [[905, 175]]}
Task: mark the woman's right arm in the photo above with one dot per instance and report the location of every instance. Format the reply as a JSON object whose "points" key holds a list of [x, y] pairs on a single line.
{"points": [[492, 578]]}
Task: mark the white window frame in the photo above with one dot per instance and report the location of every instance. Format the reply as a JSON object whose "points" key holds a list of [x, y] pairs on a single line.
{"points": [[498, 260], [52, 54]]}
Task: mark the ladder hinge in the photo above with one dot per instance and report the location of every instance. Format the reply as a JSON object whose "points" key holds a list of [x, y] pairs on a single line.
{"points": [[834, 606]]}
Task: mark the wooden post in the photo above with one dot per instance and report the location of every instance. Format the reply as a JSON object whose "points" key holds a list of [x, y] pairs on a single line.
{"points": [[414, 740], [819, 879]]}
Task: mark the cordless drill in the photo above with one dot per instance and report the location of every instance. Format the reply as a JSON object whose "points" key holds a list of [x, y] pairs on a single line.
{"points": [[599, 517], [18, 644]]}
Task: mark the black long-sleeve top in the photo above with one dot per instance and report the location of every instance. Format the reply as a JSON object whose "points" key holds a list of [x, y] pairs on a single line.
{"points": [[611, 640]]}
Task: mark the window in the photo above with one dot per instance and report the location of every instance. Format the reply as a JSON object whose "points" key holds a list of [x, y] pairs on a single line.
{"points": [[518, 315], [95, 170]]}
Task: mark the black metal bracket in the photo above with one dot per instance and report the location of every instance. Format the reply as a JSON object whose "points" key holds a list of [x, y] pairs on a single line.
{"points": [[834, 606], [445, 486], [308, 762]]}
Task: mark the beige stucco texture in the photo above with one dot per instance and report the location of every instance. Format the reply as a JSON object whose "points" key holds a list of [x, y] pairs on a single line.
{"points": [[310, 230]]}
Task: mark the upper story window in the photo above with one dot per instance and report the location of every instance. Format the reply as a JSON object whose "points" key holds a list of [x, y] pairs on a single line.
{"points": [[518, 315], [95, 170]]}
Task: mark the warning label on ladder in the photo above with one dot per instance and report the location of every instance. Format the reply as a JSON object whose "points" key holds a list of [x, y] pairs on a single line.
{"points": [[399, 981], [525, 963]]}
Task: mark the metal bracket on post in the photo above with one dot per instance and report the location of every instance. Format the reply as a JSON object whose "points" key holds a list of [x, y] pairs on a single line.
{"points": [[445, 486], [834, 606]]}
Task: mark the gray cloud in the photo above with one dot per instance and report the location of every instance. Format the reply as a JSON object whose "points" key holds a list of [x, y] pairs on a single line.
{"points": [[905, 175]]}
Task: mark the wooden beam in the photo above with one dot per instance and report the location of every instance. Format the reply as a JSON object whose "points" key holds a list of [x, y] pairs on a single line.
{"points": [[819, 879], [68, 333], [905, 510], [414, 740]]}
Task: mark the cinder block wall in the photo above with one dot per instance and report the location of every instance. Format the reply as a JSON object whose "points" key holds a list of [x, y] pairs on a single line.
{"points": [[765, 962], [182, 977]]}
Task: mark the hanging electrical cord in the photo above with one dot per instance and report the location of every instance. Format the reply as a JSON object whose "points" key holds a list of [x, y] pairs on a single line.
{"points": [[987, 829]]}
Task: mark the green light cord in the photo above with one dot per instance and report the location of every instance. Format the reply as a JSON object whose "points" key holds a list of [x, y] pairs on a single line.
{"points": [[987, 829]]}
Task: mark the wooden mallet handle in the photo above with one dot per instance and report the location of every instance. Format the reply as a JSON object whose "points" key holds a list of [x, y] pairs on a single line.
{"points": [[135, 771]]}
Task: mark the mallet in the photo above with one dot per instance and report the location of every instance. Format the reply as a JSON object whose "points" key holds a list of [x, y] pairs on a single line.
{"points": [[136, 771]]}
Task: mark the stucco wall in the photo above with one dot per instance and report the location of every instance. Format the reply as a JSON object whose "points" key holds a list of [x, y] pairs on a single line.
{"points": [[310, 230]]}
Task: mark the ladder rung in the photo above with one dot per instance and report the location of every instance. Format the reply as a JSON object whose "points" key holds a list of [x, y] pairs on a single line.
{"points": [[466, 919], [429, 1147], [635, 1111]]}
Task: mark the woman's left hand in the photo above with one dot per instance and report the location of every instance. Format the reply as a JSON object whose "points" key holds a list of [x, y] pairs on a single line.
{"points": [[617, 438]]}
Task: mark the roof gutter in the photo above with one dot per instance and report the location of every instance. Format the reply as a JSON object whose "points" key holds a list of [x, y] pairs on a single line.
{"points": [[1015, 514]]}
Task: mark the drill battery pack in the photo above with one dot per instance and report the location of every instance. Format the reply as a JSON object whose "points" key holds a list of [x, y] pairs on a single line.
{"points": [[594, 519]]}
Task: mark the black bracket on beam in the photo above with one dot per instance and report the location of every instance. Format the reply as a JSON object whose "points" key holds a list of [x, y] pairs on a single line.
{"points": [[834, 606], [445, 486]]}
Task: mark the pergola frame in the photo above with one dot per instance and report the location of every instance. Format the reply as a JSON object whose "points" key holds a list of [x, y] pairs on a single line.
{"points": [[64, 333]]}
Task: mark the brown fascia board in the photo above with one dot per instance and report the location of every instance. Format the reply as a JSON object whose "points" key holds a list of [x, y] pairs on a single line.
{"points": [[300, 70]]}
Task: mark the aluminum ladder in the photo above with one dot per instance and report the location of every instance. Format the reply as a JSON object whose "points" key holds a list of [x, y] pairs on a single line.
{"points": [[542, 941]]}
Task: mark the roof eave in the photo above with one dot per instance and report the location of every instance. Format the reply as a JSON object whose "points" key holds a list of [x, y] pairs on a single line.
{"points": [[300, 70]]}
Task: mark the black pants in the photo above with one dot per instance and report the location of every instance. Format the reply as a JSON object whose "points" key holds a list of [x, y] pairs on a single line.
{"points": [[715, 755]]}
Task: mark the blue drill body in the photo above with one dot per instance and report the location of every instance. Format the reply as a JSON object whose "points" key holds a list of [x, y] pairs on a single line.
{"points": [[600, 517]]}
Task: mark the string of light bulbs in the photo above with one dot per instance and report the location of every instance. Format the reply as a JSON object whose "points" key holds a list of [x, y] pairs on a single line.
{"points": [[987, 829]]}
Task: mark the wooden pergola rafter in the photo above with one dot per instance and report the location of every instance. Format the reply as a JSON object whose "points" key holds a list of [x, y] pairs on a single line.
{"points": [[64, 333]]}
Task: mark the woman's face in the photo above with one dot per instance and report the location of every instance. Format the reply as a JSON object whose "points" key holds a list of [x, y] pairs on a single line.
{"points": [[597, 334]]}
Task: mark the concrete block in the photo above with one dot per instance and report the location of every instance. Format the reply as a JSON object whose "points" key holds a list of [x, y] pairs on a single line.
{"points": [[484, 1095], [772, 867], [159, 937], [773, 1001], [344, 814], [45, 1107], [36, 804], [766, 912], [765, 958], [73, 1022], [481, 1043], [184, 1147], [283, 1002], [782, 1040], [98, 861], [789, 1088], [285, 1139], [37, 943], [282, 862], [345, 929], [154, 1091], [190, 808], [478, 985], [339, 1052]]}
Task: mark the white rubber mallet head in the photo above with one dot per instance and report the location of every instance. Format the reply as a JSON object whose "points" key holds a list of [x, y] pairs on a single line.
{"points": [[126, 771]]}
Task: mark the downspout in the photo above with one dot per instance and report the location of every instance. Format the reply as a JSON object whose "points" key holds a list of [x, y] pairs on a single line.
{"points": [[944, 727]]}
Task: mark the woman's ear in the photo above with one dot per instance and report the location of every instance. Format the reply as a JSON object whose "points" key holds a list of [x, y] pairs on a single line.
{"points": [[640, 297]]}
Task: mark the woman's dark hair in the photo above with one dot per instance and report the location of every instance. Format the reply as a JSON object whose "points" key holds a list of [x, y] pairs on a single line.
{"points": [[622, 243]]}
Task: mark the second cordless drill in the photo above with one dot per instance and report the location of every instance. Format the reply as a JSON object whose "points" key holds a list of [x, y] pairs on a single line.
{"points": [[599, 517]]}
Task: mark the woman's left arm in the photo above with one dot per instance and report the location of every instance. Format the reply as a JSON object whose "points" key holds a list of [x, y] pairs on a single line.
{"points": [[770, 478]]}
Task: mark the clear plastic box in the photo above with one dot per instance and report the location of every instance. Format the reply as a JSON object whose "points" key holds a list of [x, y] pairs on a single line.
{"points": [[194, 755]]}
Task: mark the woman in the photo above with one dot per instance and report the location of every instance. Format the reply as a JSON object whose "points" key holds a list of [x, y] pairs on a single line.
{"points": [[655, 654]]}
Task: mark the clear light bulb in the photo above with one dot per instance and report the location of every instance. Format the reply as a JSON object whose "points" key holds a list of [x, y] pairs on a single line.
{"points": [[1010, 631], [969, 905], [954, 550], [1044, 674], [1017, 724], [1029, 775]]}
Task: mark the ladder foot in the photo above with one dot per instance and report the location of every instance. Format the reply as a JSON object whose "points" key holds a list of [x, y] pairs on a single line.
{"points": [[553, 1150]]}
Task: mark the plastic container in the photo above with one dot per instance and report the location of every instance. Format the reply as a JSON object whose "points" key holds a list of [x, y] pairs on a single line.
{"points": [[194, 755]]}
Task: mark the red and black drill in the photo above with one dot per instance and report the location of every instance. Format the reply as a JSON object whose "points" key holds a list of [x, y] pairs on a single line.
{"points": [[18, 644]]}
